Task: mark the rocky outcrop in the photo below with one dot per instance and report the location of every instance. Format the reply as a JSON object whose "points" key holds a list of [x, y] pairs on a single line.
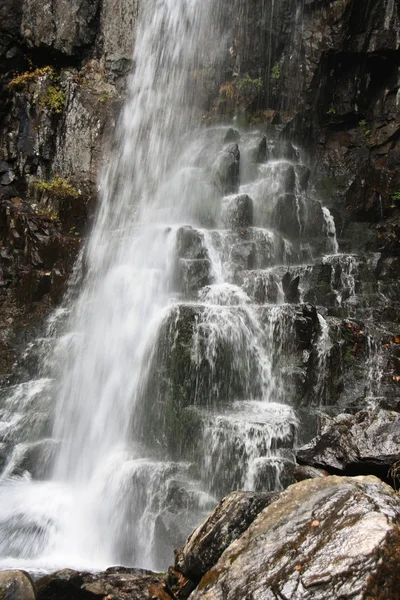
{"points": [[36, 258], [368, 441], [323, 538], [226, 523]]}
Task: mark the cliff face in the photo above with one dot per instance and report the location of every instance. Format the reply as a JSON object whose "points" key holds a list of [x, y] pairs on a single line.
{"points": [[62, 75], [322, 73]]}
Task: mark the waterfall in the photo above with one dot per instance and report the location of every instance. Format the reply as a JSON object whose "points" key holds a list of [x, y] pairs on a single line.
{"points": [[165, 378]]}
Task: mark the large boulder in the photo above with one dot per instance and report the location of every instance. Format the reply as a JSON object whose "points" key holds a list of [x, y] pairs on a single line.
{"points": [[16, 585], [118, 582], [225, 524], [323, 538], [367, 440]]}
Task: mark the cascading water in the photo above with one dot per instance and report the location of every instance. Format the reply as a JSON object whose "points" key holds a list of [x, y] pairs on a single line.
{"points": [[117, 314], [166, 388]]}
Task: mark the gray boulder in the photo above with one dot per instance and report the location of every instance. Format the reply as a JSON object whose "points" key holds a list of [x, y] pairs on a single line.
{"points": [[225, 524], [16, 585], [323, 538], [346, 442]]}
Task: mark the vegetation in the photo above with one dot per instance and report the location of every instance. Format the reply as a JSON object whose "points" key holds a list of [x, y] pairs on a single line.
{"points": [[331, 110], [395, 199], [348, 357], [21, 81], [248, 82], [276, 72], [54, 99], [57, 189], [364, 128]]}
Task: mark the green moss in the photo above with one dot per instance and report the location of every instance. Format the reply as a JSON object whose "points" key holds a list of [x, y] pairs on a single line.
{"points": [[276, 72], [58, 188], [54, 99], [248, 82], [348, 357], [331, 110]]}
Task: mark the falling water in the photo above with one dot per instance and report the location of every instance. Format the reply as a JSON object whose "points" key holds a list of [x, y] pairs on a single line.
{"points": [[144, 192], [165, 388]]}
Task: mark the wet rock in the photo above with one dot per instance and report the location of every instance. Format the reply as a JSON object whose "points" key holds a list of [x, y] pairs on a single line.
{"points": [[303, 175], [232, 135], [227, 169], [287, 151], [122, 583], [237, 212], [290, 288], [190, 244], [368, 441], [259, 151], [303, 472], [66, 27], [193, 274], [225, 524], [118, 28], [16, 585], [330, 537], [286, 216]]}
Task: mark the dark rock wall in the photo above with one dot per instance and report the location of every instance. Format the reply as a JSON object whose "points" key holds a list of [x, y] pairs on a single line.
{"points": [[63, 68]]}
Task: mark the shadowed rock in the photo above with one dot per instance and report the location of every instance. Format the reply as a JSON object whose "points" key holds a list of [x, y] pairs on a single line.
{"points": [[355, 442], [228, 521], [323, 538]]}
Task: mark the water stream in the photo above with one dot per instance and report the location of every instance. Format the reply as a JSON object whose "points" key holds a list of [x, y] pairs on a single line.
{"points": [[161, 383]]}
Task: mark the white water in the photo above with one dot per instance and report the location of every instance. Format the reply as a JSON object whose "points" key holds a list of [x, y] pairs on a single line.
{"points": [[99, 501], [119, 310]]}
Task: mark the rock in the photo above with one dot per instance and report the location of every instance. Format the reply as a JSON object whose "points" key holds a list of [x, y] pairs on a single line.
{"points": [[286, 150], [64, 26], [16, 585], [291, 288], [303, 175], [118, 27], [286, 217], [237, 212], [193, 274], [367, 441], [232, 135], [7, 178], [190, 244], [119, 582], [227, 169], [323, 538], [259, 151], [225, 524]]}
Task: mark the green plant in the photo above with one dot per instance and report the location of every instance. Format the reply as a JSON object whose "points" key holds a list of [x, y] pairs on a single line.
{"points": [[46, 211], [58, 188], [54, 99], [248, 82], [331, 110], [24, 79], [395, 199], [364, 128], [348, 357], [276, 72]]}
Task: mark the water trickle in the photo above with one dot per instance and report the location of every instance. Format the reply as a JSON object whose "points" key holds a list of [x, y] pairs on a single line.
{"points": [[333, 246]]}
